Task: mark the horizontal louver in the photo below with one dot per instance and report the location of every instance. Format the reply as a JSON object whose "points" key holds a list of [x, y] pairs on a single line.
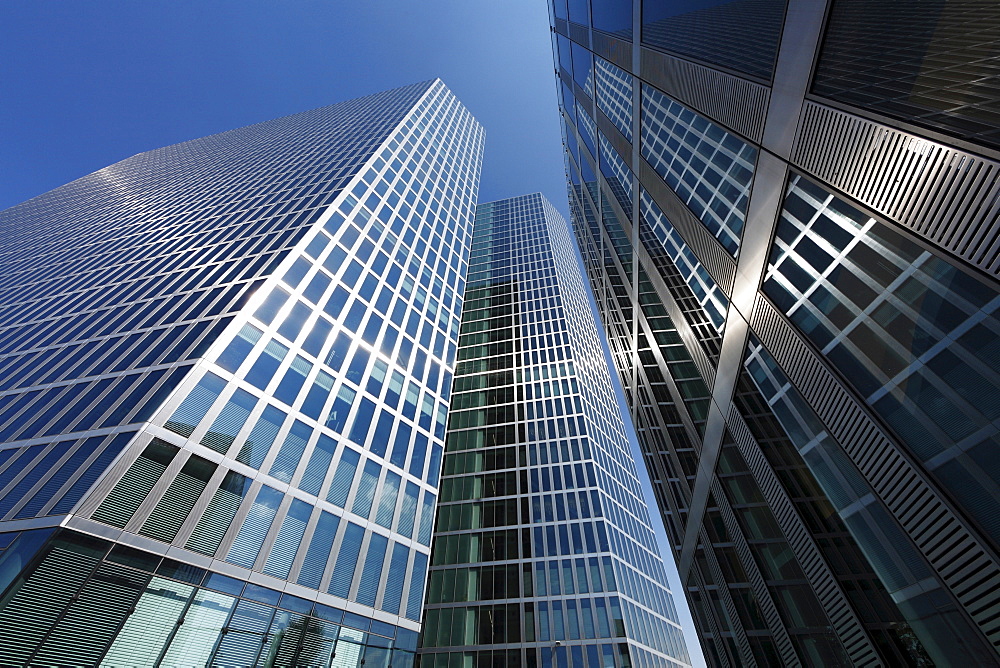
{"points": [[93, 472], [254, 528], [319, 551], [395, 578], [261, 437], [119, 506], [286, 544], [212, 526], [91, 622], [227, 425], [172, 510], [147, 630], [30, 613]]}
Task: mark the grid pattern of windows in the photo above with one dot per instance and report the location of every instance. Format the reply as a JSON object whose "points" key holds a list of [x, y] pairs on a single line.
{"points": [[120, 606], [306, 449], [709, 169], [614, 95], [879, 332], [540, 527], [915, 335]]}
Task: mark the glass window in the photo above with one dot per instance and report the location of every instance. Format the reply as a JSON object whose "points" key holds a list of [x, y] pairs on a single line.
{"points": [[742, 35], [319, 551], [347, 561], [178, 500], [934, 74], [261, 437], [254, 529], [614, 93], [239, 349], [372, 570], [708, 168], [290, 454], [271, 305], [387, 503], [294, 378], [286, 544], [366, 489], [195, 405], [230, 421], [393, 595], [341, 408], [340, 487], [219, 515], [914, 334], [613, 16], [126, 496], [263, 370], [319, 464], [294, 321], [315, 400]]}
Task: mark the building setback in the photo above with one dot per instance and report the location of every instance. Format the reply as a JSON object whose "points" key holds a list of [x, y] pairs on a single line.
{"points": [[543, 554], [224, 374], [789, 215]]}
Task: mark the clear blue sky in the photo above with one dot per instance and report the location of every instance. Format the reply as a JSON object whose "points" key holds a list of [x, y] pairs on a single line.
{"points": [[85, 84]]}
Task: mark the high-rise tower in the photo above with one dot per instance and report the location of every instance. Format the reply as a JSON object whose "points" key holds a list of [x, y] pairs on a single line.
{"points": [[224, 375], [788, 211], [543, 554]]}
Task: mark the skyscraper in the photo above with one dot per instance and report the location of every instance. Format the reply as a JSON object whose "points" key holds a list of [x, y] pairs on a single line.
{"points": [[542, 554], [224, 377], [788, 211]]}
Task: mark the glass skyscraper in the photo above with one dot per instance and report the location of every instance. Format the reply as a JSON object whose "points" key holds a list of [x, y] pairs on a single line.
{"points": [[788, 211], [224, 375], [543, 554]]}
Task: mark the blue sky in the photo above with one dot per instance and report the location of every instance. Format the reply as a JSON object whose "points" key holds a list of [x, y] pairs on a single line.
{"points": [[85, 84]]}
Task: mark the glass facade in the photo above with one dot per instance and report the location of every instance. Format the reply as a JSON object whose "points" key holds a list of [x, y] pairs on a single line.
{"points": [[543, 554], [804, 323], [932, 63], [275, 311]]}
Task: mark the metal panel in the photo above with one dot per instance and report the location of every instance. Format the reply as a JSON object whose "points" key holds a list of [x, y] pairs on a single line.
{"points": [[710, 252], [963, 563], [613, 49], [579, 34], [584, 98], [738, 104], [561, 27], [948, 196]]}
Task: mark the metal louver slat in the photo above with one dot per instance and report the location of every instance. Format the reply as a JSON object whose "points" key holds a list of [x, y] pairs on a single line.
{"points": [[91, 622], [147, 630], [28, 615], [126, 496], [219, 515], [173, 509]]}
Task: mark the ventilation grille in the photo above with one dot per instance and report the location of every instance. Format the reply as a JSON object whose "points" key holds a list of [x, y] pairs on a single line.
{"points": [[579, 34], [963, 564], [710, 252], [841, 615], [618, 51], [948, 196], [738, 104]]}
